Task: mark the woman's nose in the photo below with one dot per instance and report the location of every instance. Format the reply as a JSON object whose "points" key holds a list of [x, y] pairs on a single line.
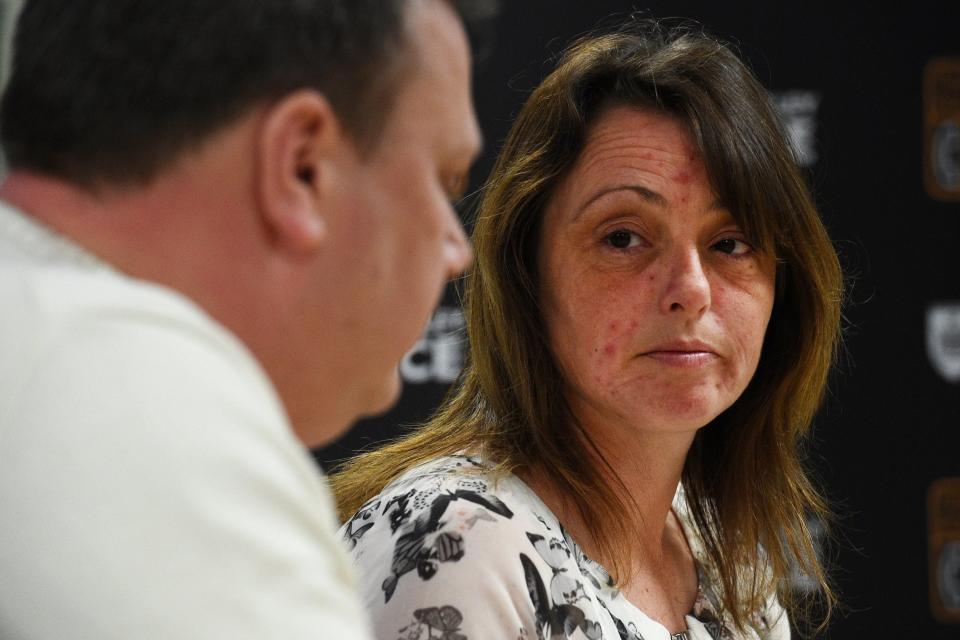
{"points": [[687, 288]]}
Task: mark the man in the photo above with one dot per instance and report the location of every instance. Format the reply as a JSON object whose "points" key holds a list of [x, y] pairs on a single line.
{"points": [[224, 224]]}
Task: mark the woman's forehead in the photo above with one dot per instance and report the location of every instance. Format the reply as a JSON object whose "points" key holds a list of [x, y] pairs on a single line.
{"points": [[642, 150], [627, 136]]}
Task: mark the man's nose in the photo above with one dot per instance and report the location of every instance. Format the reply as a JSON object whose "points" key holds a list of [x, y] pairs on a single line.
{"points": [[456, 247]]}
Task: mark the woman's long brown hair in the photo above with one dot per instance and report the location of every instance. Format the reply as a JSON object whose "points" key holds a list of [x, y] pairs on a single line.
{"points": [[749, 493]]}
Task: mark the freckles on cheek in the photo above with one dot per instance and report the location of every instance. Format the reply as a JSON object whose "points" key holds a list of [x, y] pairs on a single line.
{"points": [[603, 354], [617, 334]]}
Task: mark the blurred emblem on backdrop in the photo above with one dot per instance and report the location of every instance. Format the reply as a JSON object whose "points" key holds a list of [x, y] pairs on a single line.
{"points": [[437, 357], [943, 509], [941, 98], [943, 339], [798, 108]]}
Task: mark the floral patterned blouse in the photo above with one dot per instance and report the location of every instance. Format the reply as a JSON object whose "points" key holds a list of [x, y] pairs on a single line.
{"points": [[447, 553]]}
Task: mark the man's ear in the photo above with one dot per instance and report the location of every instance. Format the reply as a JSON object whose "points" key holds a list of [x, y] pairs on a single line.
{"points": [[299, 136]]}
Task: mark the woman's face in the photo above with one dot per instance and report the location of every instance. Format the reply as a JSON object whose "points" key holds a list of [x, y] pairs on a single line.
{"points": [[655, 304]]}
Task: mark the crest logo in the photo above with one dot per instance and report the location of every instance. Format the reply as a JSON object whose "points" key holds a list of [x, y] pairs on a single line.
{"points": [[943, 522], [800, 582], [943, 339], [437, 357], [798, 108], [941, 128]]}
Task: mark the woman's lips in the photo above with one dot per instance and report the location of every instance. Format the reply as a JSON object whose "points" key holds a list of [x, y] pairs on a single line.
{"points": [[682, 358], [685, 353]]}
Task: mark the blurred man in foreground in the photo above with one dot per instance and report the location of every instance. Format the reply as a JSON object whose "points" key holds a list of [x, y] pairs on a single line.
{"points": [[225, 222]]}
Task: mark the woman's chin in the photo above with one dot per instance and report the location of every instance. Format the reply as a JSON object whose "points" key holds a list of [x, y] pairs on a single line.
{"points": [[682, 411]]}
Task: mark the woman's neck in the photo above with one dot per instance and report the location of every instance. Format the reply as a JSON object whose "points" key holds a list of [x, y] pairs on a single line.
{"points": [[644, 466], [644, 471]]}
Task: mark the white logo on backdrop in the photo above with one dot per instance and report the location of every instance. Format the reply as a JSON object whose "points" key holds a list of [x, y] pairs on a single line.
{"points": [[946, 155], [798, 108], [800, 581], [948, 575], [438, 356], [943, 339]]}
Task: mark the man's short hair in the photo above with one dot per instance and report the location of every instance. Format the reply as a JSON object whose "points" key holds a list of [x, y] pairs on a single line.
{"points": [[114, 90]]}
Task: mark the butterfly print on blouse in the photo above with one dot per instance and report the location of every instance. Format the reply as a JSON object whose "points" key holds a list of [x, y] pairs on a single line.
{"points": [[412, 551], [555, 621], [354, 530], [587, 567], [401, 510], [555, 552], [446, 620], [625, 631], [352, 536], [714, 626]]}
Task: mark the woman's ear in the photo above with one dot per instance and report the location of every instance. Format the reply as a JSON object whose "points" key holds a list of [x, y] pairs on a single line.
{"points": [[300, 134]]}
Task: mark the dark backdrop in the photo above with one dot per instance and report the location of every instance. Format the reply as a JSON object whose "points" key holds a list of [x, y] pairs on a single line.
{"points": [[849, 79]]}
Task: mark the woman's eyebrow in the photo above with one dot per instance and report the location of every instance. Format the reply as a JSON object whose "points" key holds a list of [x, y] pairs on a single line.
{"points": [[646, 193], [649, 195]]}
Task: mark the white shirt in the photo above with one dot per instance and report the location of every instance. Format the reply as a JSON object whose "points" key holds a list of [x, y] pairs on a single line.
{"points": [[447, 551], [150, 483]]}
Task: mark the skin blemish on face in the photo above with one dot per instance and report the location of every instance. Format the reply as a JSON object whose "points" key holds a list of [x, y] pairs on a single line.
{"points": [[614, 325], [609, 349], [683, 177]]}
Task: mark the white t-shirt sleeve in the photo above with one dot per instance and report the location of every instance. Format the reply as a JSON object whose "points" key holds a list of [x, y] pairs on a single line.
{"points": [[151, 488]]}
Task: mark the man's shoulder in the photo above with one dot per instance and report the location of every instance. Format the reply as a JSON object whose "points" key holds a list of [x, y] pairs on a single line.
{"points": [[143, 444], [56, 290], [56, 301], [108, 328]]}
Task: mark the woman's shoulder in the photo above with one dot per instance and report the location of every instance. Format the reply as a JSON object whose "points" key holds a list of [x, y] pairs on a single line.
{"points": [[444, 501], [453, 541]]}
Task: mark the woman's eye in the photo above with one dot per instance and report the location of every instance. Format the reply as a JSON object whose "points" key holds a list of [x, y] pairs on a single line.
{"points": [[622, 239], [733, 247]]}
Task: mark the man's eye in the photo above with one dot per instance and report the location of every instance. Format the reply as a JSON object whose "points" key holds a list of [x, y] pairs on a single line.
{"points": [[622, 239], [732, 247]]}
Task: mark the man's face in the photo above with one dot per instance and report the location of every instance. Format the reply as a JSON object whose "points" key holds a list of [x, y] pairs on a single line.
{"points": [[402, 240]]}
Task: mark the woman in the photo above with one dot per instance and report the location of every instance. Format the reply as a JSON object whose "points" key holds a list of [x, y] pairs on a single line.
{"points": [[654, 303]]}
